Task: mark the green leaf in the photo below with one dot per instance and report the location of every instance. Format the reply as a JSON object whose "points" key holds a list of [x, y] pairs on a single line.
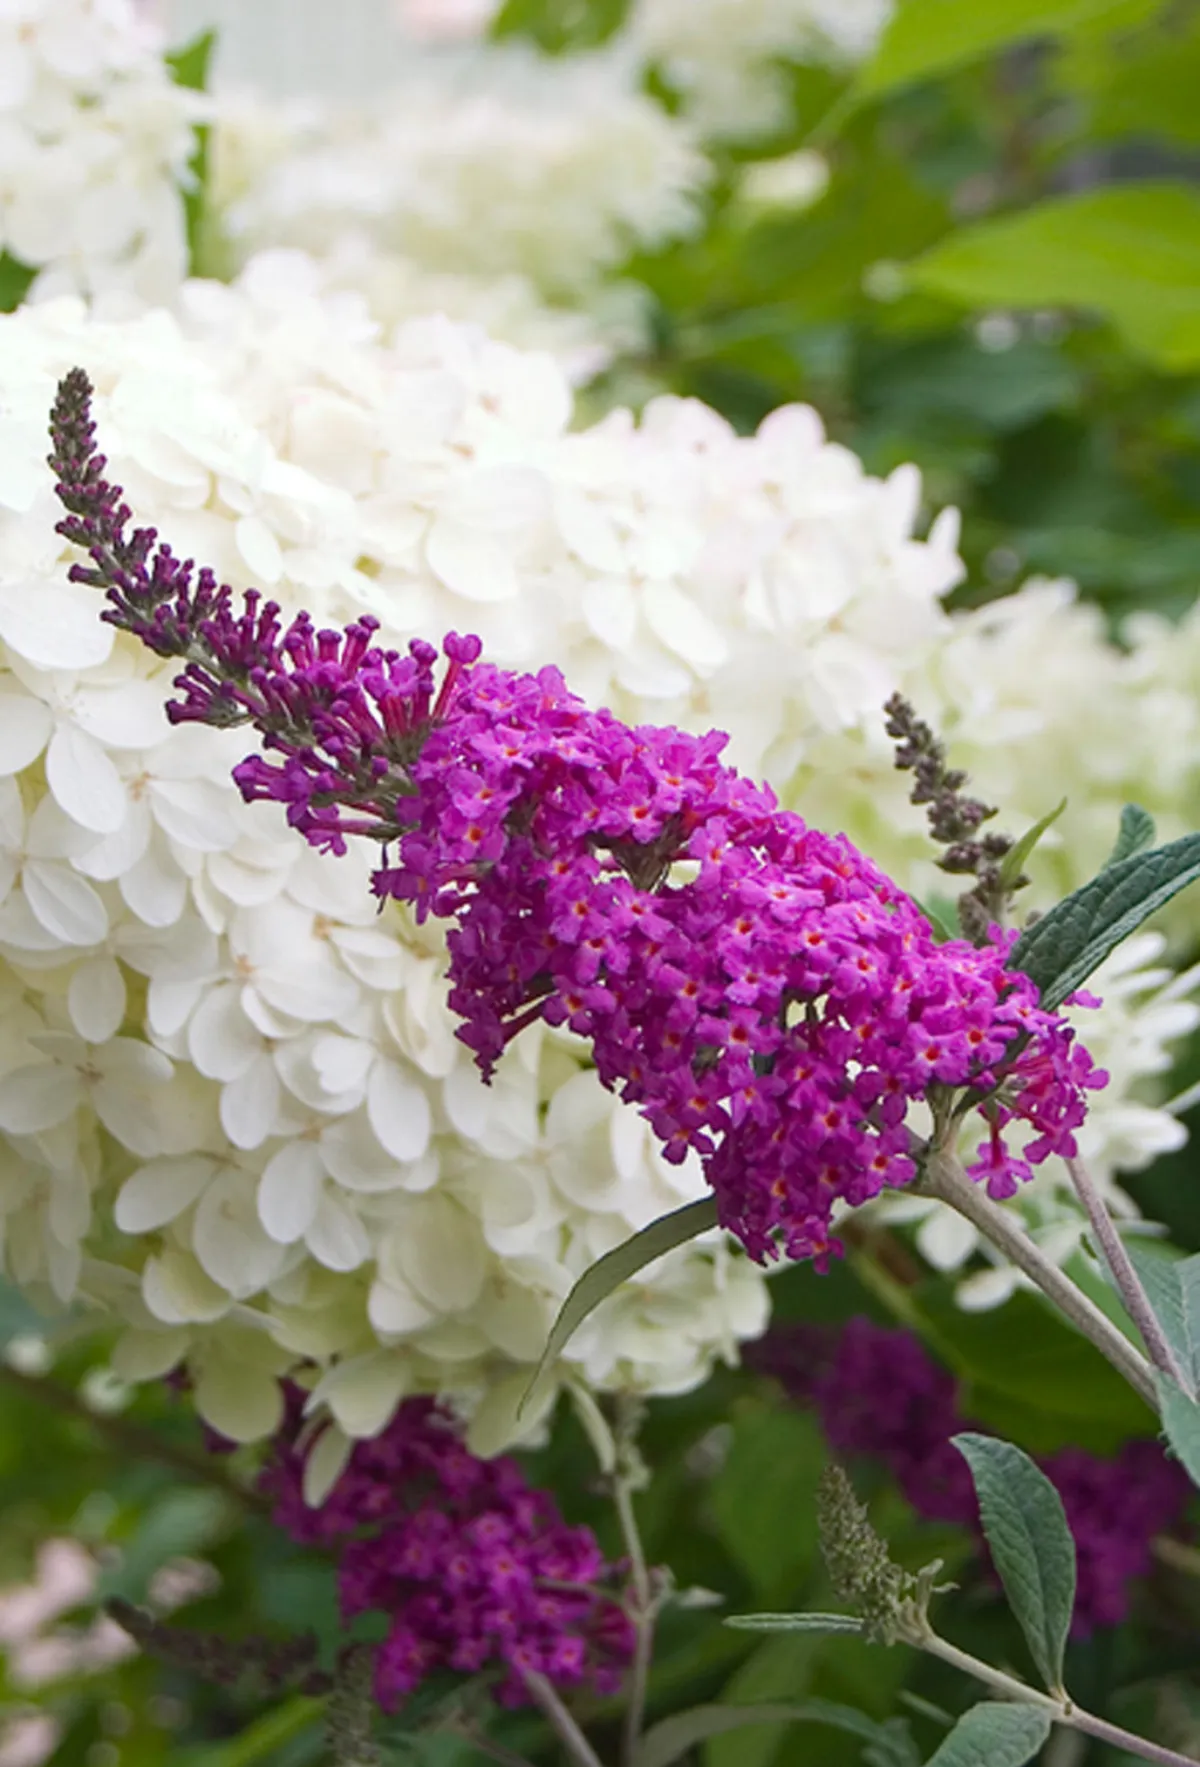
{"points": [[16, 280], [182, 1523], [671, 1739], [189, 67], [993, 1734], [1031, 1545], [1181, 1420], [1129, 251], [1173, 1289], [1061, 950], [928, 37], [793, 1622], [763, 1500], [1014, 859], [1135, 834], [616, 1267], [261, 1741]]}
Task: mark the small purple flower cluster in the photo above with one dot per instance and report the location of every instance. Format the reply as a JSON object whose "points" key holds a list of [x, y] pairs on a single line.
{"points": [[879, 1393], [474, 1567], [761, 991]]}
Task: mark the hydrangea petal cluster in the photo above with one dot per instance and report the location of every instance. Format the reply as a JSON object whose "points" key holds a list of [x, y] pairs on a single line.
{"points": [[878, 1392], [776, 1012], [95, 141], [724, 56], [474, 1567], [487, 163]]}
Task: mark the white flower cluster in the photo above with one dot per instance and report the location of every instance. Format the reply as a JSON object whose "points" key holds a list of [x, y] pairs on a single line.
{"points": [[723, 56], [94, 144], [486, 163]]}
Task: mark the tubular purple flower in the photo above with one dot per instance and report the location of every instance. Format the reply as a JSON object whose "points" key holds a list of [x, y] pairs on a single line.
{"points": [[760, 991]]}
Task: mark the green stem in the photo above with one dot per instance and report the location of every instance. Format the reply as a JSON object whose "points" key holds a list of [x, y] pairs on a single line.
{"points": [[944, 1178], [579, 1749]]}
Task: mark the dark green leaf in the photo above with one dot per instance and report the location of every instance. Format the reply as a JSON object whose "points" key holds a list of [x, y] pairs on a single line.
{"points": [[181, 1523], [1062, 949], [1128, 251], [16, 280], [763, 1500], [993, 1735], [794, 1623], [190, 68], [1134, 835], [1014, 859], [617, 1266], [1181, 1420], [1031, 1545], [673, 1737], [1172, 1287], [927, 37]]}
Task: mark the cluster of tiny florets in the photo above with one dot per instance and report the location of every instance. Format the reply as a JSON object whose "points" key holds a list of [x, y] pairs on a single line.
{"points": [[879, 1393], [474, 1567], [763, 994]]}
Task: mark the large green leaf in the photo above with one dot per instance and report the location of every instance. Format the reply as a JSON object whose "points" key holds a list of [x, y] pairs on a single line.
{"points": [[1128, 251], [1173, 1289], [763, 1500], [617, 1266], [928, 37], [1134, 835], [993, 1735], [1031, 1545], [1061, 950], [673, 1737]]}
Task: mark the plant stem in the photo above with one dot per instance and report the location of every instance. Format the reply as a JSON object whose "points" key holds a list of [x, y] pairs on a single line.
{"points": [[628, 1474], [132, 1440], [1126, 1278], [1061, 1711], [944, 1178], [578, 1748]]}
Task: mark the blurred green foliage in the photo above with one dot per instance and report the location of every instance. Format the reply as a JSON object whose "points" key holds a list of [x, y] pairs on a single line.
{"points": [[1000, 281]]}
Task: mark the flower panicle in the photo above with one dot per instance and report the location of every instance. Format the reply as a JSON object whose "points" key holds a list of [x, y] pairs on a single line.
{"points": [[769, 1001]]}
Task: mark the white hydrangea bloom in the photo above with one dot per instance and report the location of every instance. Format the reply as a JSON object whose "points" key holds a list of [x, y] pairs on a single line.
{"points": [[303, 1163], [94, 143], [491, 163], [723, 55]]}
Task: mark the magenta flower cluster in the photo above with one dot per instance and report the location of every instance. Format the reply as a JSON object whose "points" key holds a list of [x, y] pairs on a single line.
{"points": [[879, 1393], [475, 1569], [758, 990]]}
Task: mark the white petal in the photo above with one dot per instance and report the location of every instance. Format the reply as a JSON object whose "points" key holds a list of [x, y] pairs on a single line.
{"points": [[363, 1393], [155, 889], [396, 1312], [441, 1255], [177, 1291], [238, 1400], [289, 1191], [140, 1355], [127, 716], [259, 549], [96, 999], [38, 1097], [229, 1240], [84, 781], [160, 1191], [25, 726], [337, 1238], [683, 627], [399, 1111], [221, 1040], [355, 1158], [325, 1464], [64, 904], [250, 1104], [55, 625], [471, 563], [946, 1240], [312, 990]]}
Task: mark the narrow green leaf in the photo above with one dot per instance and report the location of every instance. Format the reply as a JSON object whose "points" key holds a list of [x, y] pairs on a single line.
{"points": [[927, 37], [616, 1267], [1031, 1544], [1172, 1287], [671, 1739], [1061, 950], [1135, 834], [261, 1741], [992, 1734], [189, 67], [1014, 860], [793, 1622], [16, 280], [1130, 252], [1181, 1420]]}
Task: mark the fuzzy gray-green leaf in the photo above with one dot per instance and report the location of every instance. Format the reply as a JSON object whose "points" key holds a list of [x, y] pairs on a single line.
{"points": [[1061, 950], [671, 1739], [993, 1734], [794, 1622], [1135, 834], [1172, 1287], [1031, 1545], [1181, 1420]]}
